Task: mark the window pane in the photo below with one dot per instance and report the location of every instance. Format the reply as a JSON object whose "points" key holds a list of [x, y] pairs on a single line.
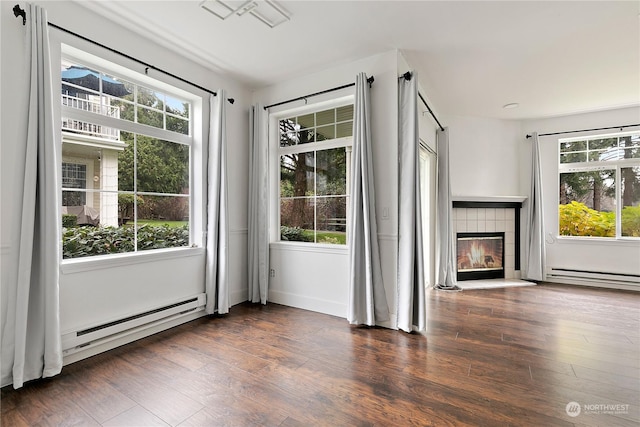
{"points": [[162, 166], [325, 117], [573, 146], [344, 129], [325, 132], [163, 222], [603, 143], [177, 124], [288, 132], [307, 121], [332, 220], [147, 116], [306, 136], [296, 219], [344, 113], [630, 187], [587, 203], [297, 175], [631, 145], [331, 172], [94, 230], [150, 98], [573, 157], [179, 107]]}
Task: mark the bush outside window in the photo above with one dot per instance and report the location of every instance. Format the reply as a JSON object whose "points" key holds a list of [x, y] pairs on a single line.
{"points": [[599, 193], [126, 150]]}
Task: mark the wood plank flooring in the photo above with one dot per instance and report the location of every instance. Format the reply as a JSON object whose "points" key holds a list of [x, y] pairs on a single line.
{"points": [[495, 357]]}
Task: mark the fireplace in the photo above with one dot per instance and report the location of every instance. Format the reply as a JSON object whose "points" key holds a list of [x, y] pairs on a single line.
{"points": [[480, 255]]}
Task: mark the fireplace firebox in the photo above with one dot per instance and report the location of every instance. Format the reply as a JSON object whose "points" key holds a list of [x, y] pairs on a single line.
{"points": [[480, 256]]}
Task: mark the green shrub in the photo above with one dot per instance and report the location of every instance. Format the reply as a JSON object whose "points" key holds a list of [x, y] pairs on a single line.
{"points": [[89, 241], [631, 221], [69, 221], [293, 234], [576, 219]]}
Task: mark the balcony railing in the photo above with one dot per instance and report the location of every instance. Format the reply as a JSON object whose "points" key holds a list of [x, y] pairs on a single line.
{"points": [[86, 128]]}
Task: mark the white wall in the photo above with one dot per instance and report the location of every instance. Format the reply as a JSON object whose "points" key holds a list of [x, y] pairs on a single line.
{"points": [[317, 279], [574, 253], [94, 295], [485, 156]]}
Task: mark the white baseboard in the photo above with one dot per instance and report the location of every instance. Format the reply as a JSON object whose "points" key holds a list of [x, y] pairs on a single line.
{"points": [[332, 308], [593, 283]]}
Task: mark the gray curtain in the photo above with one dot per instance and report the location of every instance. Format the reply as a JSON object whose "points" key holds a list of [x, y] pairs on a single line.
{"points": [[367, 298], [258, 233], [31, 343], [446, 274], [536, 251], [217, 246], [411, 293]]}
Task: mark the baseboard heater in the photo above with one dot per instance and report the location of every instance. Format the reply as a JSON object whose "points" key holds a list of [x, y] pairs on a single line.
{"points": [[98, 334], [593, 277]]}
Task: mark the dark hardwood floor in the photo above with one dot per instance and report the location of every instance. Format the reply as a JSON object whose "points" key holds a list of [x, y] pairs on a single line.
{"points": [[499, 357]]}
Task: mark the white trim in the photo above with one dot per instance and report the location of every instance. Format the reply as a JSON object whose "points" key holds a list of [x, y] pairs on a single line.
{"points": [[317, 305], [309, 247], [102, 262]]}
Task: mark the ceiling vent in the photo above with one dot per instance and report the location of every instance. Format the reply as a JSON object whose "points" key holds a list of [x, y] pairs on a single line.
{"points": [[266, 11]]}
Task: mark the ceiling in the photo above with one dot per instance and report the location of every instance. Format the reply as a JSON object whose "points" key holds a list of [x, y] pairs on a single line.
{"points": [[472, 58]]}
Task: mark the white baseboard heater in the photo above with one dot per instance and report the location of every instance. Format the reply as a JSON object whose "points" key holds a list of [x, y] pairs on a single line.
{"points": [[586, 277], [73, 342]]}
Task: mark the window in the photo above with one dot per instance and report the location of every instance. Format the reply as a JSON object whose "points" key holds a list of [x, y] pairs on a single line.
{"points": [[600, 186], [126, 161], [74, 176], [315, 159]]}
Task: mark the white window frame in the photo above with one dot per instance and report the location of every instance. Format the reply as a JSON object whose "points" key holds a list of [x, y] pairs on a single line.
{"points": [[274, 166], [67, 46], [590, 166]]}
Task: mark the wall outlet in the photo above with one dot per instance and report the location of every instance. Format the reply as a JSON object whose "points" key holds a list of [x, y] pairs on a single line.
{"points": [[272, 273]]}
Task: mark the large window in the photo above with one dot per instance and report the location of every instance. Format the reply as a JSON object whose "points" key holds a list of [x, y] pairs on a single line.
{"points": [[600, 186], [315, 157], [126, 155]]}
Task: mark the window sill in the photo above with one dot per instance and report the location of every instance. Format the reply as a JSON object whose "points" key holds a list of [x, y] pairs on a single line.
{"points": [[309, 247], [610, 241], [77, 265]]}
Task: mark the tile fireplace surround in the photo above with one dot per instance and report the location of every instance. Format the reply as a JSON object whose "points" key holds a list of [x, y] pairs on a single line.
{"points": [[486, 214]]}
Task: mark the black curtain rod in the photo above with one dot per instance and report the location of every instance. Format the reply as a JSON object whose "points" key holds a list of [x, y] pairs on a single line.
{"points": [[370, 80], [586, 130], [18, 11], [407, 76]]}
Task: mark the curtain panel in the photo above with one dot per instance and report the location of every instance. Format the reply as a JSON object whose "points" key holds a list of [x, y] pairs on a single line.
{"points": [[258, 231], [367, 299], [446, 264], [536, 251], [217, 242], [411, 308], [31, 342]]}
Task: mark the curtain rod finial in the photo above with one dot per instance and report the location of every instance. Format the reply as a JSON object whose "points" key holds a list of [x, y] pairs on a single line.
{"points": [[231, 101], [18, 11], [407, 75], [370, 80]]}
